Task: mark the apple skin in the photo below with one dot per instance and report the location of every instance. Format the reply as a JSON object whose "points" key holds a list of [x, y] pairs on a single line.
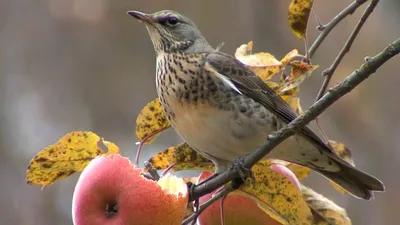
{"points": [[238, 210], [111, 191]]}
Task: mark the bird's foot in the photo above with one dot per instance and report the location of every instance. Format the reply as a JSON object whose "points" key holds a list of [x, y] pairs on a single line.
{"points": [[244, 173]]}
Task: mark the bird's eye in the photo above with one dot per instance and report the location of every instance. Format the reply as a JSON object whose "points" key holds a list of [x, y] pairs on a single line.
{"points": [[172, 21]]}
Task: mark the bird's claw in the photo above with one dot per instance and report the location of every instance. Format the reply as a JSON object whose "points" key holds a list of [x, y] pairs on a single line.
{"points": [[244, 173]]}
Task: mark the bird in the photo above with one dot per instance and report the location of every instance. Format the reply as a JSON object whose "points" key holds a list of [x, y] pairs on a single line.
{"points": [[223, 110]]}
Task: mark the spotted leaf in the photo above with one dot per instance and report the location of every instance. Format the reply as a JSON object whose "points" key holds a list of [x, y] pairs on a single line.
{"points": [[277, 195], [68, 155], [298, 14], [151, 121], [182, 157]]}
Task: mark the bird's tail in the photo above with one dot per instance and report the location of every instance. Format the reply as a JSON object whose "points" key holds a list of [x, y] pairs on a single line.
{"points": [[356, 182]]}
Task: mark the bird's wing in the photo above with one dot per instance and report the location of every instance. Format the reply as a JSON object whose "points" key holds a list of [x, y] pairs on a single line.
{"points": [[245, 82]]}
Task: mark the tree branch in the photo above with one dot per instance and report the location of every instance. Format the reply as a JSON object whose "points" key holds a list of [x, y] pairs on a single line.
{"points": [[349, 83], [328, 73], [316, 109], [326, 29], [224, 192]]}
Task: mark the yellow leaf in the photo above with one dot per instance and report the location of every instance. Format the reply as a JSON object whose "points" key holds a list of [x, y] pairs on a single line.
{"points": [[70, 154], [325, 212], [277, 195], [273, 85], [184, 158], [300, 70], [344, 153], [263, 64], [299, 11], [260, 59], [266, 72], [151, 121], [301, 172], [288, 95], [288, 57], [244, 49], [296, 106]]}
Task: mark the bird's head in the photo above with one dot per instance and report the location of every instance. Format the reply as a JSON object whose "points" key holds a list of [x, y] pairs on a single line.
{"points": [[172, 32]]}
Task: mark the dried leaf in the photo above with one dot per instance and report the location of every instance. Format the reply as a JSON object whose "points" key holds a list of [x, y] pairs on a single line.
{"points": [[266, 72], [70, 154], [325, 212], [344, 153], [184, 158], [277, 195], [263, 64], [244, 49], [288, 95], [295, 105], [300, 71], [288, 57], [151, 121], [298, 14]]}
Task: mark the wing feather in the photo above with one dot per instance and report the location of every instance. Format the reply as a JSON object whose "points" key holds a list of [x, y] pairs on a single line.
{"points": [[248, 83]]}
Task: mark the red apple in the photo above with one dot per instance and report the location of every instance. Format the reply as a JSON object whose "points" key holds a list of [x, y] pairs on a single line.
{"points": [[111, 191], [238, 210]]}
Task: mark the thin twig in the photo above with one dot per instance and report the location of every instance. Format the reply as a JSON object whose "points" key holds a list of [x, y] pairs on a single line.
{"points": [[328, 73], [224, 192], [316, 16], [326, 29], [348, 84]]}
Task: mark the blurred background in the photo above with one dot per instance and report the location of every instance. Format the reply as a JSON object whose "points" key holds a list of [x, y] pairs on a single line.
{"points": [[87, 65]]}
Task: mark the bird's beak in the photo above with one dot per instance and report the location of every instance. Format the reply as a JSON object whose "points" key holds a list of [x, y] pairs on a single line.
{"points": [[142, 17]]}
